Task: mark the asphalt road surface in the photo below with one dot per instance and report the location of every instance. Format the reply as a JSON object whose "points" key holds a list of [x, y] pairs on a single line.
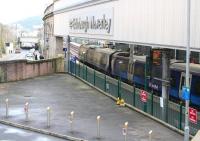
{"points": [[8, 133], [64, 93]]}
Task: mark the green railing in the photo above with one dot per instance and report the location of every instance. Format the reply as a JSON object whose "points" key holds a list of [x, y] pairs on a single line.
{"points": [[131, 95]]}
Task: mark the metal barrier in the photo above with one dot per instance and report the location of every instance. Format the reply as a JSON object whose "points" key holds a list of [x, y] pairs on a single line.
{"points": [[131, 95]]}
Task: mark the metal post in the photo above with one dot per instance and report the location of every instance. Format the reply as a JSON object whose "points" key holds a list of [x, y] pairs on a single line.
{"points": [[7, 108], [145, 83], [125, 130], [94, 77], [180, 116], [48, 116], [26, 110], [105, 82], [79, 72], [134, 100], [150, 135], [165, 76], [68, 53], [98, 126], [186, 129], [152, 101], [86, 72], [84, 65], [71, 118], [75, 68]]}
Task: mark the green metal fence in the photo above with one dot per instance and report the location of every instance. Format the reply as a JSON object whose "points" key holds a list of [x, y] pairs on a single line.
{"points": [[131, 95]]}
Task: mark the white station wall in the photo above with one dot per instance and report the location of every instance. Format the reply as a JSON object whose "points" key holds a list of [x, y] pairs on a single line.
{"points": [[162, 22]]}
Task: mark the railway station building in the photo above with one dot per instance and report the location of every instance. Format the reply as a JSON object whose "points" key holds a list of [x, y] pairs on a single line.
{"points": [[141, 24]]}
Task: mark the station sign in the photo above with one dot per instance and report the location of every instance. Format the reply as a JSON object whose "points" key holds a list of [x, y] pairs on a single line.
{"points": [[96, 21], [193, 115], [185, 93], [143, 96]]}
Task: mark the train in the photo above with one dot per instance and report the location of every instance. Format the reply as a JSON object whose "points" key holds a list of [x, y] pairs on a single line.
{"points": [[136, 71]]}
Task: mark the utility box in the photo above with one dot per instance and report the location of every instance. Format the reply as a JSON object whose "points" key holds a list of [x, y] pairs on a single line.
{"points": [[9, 48]]}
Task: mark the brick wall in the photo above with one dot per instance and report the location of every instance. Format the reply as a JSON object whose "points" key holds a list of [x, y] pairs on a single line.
{"points": [[21, 69]]}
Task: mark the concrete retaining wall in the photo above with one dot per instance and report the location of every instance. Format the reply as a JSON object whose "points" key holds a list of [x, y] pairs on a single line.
{"points": [[22, 69]]}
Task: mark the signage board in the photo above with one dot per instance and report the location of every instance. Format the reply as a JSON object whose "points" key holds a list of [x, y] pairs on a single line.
{"points": [[193, 115], [143, 96], [186, 93], [98, 22]]}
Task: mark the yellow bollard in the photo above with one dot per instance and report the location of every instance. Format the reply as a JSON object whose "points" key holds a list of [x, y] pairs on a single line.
{"points": [[122, 102], [118, 101]]}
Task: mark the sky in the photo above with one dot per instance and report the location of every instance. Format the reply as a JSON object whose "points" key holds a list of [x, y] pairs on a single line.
{"points": [[16, 10]]}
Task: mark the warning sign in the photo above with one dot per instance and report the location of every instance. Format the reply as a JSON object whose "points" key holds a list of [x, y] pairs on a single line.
{"points": [[143, 96], [193, 115]]}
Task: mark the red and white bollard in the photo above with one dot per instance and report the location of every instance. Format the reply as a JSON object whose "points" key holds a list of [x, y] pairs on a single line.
{"points": [[26, 111], [7, 112]]}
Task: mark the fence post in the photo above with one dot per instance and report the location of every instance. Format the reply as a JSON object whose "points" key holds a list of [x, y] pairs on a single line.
{"points": [[86, 72], [105, 81], [94, 77], [68, 66], [75, 67], [83, 67], [180, 116], [134, 95], [119, 88], [79, 72], [152, 103]]}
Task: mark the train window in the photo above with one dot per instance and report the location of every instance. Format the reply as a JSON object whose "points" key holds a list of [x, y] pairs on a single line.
{"points": [[197, 87], [123, 67], [157, 72], [157, 57], [173, 82], [142, 50], [139, 70]]}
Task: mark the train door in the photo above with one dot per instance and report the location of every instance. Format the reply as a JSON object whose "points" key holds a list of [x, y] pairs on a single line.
{"points": [[182, 83]]}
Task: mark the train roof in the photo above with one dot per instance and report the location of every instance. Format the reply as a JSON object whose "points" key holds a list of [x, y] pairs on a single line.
{"points": [[75, 44], [195, 68], [105, 50]]}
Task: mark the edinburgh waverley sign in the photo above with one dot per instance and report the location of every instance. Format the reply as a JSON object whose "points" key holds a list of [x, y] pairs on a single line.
{"points": [[100, 23]]}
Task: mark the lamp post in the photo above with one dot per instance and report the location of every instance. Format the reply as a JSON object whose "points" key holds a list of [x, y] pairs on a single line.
{"points": [[186, 129]]}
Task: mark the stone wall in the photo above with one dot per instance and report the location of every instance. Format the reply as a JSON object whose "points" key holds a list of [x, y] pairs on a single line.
{"points": [[22, 69]]}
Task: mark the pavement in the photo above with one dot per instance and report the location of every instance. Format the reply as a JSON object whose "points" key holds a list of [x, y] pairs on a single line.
{"points": [[8, 133], [64, 93]]}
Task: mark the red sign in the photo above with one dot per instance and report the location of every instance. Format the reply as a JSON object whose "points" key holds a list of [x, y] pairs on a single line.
{"points": [[193, 115], [143, 96]]}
